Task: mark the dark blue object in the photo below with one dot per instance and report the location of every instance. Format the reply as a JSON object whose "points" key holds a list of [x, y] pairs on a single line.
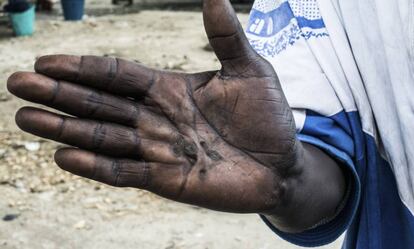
{"points": [[10, 217], [73, 9], [17, 6]]}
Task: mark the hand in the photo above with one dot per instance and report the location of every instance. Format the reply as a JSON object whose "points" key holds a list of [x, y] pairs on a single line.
{"points": [[224, 139]]}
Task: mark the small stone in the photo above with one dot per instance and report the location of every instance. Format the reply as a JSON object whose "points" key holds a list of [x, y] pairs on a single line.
{"points": [[80, 224], [32, 146], [4, 97], [10, 217], [2, 153]]}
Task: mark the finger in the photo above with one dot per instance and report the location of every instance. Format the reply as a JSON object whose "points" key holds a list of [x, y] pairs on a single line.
{"points": [[225, 33], [160, 178], [106, 138], [105, 73], [115, 172], [73, 99], [88, 103]]}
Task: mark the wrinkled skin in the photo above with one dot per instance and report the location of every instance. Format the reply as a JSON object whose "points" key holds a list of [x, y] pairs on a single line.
{"points": [[223, 140]]}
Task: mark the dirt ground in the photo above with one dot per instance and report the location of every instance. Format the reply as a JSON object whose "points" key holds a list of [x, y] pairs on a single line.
{"points": [[44, 207]]}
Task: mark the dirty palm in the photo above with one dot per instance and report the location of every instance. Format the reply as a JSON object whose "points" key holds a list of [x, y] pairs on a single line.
{"points": [[223, 140]]}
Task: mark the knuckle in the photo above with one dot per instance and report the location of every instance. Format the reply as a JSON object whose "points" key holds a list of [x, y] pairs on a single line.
{"points": [[113, 68], [131, 174], [93, 103], [116, 169], [61, 128], [99, 134]]}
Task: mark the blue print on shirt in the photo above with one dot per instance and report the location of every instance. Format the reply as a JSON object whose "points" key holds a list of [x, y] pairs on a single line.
{"points": [[273, 30]]}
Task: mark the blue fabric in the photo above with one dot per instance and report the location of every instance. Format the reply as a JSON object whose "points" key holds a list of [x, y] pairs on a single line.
{"points": [[383, 221], [284, 16], [335, 131], [374, 214], [313, 24]]}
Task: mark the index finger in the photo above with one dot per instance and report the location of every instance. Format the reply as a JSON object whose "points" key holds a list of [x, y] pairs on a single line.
{"points": [[104, 73]]}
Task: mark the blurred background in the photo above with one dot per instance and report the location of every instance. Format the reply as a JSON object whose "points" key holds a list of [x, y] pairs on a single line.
{"points": [[44, 207]]}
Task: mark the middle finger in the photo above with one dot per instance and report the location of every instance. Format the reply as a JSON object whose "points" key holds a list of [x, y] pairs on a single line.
{"points": [[89, 103]]}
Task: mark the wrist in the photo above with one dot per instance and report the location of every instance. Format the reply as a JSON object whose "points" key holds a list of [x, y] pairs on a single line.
{"points": [[313, 189]]}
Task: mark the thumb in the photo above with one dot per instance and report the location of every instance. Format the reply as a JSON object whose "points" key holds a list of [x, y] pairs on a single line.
{"points": [[225, 33]]}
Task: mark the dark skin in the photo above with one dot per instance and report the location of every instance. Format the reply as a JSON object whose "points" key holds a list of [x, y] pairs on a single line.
{"points": [[223, 140]]}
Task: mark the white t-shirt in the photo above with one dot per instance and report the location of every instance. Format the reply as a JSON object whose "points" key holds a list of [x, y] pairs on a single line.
{"points": [[347, 70]]}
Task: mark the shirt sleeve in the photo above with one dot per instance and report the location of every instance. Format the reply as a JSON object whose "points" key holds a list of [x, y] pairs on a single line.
{"points": [[330, 134], [292, 36]]}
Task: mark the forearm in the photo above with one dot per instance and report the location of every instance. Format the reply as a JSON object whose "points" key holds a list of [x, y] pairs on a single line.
{"points": [[313, 191]]}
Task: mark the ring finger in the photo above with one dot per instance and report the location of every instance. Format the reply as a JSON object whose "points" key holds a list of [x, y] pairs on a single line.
{"points": [[103, 137]]}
